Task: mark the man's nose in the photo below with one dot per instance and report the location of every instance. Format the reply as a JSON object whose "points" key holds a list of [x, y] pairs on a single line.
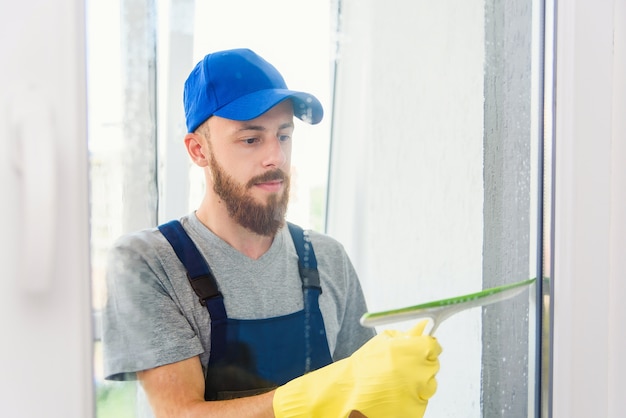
{"points": [[275, 154]]}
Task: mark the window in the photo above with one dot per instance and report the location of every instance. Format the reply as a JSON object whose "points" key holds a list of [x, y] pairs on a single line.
{"points": [[435, 113]]}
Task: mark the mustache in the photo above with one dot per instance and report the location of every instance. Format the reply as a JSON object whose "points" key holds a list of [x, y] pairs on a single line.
{"points": [[273, 175]]}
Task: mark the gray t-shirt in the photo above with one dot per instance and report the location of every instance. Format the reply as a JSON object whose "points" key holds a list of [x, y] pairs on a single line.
{"points": [[153, 317]]}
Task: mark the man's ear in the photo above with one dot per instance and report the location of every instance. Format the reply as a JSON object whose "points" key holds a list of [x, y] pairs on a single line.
{"points": [[196, 147]]}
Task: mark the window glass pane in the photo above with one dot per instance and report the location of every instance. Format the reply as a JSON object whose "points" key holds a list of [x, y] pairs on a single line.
{"points": [[122, 149], [435, 143], [135, 111], [436, 139]]}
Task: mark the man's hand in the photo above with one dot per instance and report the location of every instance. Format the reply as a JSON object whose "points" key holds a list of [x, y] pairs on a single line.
{"points": [[392, 375]]}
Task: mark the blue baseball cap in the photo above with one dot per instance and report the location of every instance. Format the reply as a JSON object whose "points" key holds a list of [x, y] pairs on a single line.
{"points": [[238, 84]]}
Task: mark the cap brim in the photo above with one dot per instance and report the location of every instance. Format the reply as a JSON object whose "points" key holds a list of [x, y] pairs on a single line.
{"points": [[306, 107]]}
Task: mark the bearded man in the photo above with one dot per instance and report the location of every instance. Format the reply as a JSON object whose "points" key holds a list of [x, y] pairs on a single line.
{"points": [[232, 311]]}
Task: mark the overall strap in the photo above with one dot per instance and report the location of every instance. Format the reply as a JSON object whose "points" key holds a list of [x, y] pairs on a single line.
{"points": [[202, 281], [307, 265]]}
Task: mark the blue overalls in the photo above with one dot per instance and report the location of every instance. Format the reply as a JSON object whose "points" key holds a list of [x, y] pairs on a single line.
{"points": [[256, 355]]}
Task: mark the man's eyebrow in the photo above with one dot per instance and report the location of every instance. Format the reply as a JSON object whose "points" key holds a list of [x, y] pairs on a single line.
{"points": [[251, 128], [263, 128]]}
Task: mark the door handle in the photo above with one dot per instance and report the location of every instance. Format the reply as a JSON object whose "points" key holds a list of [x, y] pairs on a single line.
{"points": [[32, 136]]}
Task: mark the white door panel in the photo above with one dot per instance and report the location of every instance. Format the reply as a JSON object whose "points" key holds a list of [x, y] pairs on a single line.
{"points": [[44, 292]]}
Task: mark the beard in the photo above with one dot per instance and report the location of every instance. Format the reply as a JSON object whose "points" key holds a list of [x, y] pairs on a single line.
{"points": [[262, 219]]}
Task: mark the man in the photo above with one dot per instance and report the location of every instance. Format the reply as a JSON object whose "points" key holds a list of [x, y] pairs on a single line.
{"points": [[220, 313]]}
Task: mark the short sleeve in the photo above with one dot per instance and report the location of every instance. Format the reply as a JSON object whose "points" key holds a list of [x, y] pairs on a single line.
{"points": [[143, 326]]}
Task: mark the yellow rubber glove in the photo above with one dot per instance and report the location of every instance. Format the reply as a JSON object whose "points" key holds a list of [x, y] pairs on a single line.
{"points": [[392, 375]]}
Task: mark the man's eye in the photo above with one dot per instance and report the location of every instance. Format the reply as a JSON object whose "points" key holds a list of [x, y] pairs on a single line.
{"points": [[284, 138], [250, 140]]}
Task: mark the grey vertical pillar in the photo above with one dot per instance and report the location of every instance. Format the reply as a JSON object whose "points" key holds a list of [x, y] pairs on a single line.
{"points": [[138, 27], [507, 134]]}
